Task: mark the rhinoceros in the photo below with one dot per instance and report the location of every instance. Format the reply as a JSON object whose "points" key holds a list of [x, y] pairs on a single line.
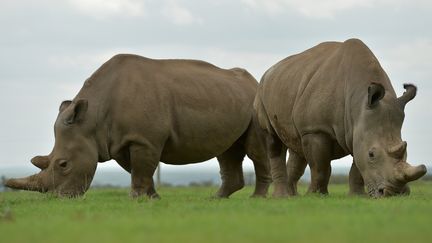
{"points": [[139, 111], [331, 101]]}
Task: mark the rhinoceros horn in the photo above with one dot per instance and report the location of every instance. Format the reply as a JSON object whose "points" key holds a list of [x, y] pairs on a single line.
{"points": [[411, 173], [409, 94], [398, 151], [42, 162], [30, 183]]}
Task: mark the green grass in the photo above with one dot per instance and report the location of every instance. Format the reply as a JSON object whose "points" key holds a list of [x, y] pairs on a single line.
{"points": [[189, 215]]}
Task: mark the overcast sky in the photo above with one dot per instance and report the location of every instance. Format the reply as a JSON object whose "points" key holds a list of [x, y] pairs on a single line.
{"points": [[48, 48]]}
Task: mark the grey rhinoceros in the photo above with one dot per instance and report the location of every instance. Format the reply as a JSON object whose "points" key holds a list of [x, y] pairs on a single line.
{"points": [[140, 111], [331, 101]]}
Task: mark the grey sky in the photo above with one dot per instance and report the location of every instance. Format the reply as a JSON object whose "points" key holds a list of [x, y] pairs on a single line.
{"points": [[48, 48]]}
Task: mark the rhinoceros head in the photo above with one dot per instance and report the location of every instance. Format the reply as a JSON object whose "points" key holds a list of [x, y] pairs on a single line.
{"points": [[69, 169], [379, 152]]}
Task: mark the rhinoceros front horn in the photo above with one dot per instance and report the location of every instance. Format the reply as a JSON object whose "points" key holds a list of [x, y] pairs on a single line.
{"points": [[30, 183], [414, 172]]}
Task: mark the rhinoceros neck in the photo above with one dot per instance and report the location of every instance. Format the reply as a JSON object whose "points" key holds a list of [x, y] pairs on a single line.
{"points": [[96, 94], [357, 93]]}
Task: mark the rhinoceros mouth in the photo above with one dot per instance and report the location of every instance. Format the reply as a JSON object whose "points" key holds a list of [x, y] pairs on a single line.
{"points": [[387, 190], [67, 194], [373, 191]]}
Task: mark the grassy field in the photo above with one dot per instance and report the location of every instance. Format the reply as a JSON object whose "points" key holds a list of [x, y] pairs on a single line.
{"points": [[189, 215]]}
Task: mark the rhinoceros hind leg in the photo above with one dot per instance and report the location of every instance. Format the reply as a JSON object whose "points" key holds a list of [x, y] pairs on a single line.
{"points": [[256, 151], [318, 152], [262, 177], [356, 182], [231, 171], [144, 161], [277, 155], [295, 169]]}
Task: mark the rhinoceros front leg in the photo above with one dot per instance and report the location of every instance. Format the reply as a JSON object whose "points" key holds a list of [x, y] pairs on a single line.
{"points": [[277, 153], [296, 165], [231, 171], [144, 161], [356, 182], [317, 149]]}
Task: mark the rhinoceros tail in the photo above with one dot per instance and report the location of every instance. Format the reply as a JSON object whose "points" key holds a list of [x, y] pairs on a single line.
{"points": [[261, 113]]}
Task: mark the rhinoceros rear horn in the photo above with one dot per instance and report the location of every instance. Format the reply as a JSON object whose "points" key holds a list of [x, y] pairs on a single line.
{"points": [[409, 94], [30, 183], [42, 162], [375, 93], [398, 151], [76, 111]]}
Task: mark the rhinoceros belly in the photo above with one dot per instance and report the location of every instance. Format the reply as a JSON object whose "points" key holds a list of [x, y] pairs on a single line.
{"points": [[198, 136]]}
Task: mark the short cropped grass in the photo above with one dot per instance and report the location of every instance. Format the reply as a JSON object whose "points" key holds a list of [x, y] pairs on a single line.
{"points": [[190, 215]]}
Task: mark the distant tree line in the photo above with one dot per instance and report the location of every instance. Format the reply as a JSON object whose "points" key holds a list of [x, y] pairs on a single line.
{"points": [[248, 177]]}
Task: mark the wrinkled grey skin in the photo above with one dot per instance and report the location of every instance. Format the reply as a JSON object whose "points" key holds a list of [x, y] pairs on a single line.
{"points": [[140, 111], [328, 102]]}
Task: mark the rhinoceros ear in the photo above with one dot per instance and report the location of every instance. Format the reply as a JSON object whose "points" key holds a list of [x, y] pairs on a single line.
{"points": [[76, 112], [409, 94], [375, 93], [65, 104]]}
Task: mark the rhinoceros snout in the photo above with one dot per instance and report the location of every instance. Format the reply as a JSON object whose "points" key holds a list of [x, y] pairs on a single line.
{"points": [[389, 191]]}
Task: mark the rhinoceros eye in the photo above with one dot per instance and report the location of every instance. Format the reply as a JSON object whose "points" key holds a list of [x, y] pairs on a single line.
{"points": [[371, 154], [64, 166], [63, 163]]}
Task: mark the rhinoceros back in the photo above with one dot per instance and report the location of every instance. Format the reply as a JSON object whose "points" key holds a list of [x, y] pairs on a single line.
{"points": [[193, 109], [318, 90]]}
